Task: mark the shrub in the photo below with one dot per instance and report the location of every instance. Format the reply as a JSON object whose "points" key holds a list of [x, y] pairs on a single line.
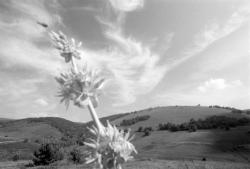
{"points": [[47, 154], [16, 156], [128, 122], [76, 156], [146, 133], [140, 129], [192, 128], [26, 140], [174, 128], [212, 122], [148, 128]]}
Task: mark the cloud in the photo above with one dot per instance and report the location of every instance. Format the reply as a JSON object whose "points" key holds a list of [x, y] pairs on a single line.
{"points": [[22, 38], [213, 32], [26, 55], [126, 6], [13, 90], [41, 102], [217, 84], [214, 91], [132, 66]]}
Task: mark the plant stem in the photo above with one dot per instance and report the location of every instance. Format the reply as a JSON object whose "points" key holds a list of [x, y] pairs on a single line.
{"points": [[95, 118], [73, 65]]}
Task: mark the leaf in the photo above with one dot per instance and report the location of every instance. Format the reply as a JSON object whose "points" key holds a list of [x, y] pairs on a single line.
{"points": [[73, 42], [99, 84], [92, 145], [79, 44]]}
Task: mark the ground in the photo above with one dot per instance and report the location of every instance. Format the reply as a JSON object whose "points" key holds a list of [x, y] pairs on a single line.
{"points": [[143, 164]]}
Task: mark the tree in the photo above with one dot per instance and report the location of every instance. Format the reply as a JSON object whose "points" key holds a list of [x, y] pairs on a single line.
{"points": [[192, 128], [76, 156], [147, 132], [47, 154], [140, 129]]}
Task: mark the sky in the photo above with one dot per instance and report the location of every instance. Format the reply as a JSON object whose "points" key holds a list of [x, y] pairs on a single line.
{"points": [[152, 53]]}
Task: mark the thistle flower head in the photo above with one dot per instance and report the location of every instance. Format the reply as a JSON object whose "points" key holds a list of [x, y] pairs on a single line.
{"points": [[68, 49], [79, 87], [111, 148]]}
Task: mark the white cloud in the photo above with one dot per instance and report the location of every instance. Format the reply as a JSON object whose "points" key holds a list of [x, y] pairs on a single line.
{"points": [[126, 5], [211, 92], [20, 34], [217, 84], [133, 66], [41, 102]]}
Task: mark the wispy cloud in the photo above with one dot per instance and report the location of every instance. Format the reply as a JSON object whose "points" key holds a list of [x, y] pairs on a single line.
{"points": [[133, 67], [20, 34], [213, 32], [24, 44]]}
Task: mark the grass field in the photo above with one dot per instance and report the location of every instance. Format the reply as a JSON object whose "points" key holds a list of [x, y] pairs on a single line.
{"points": [[216, 145], [173, 114], [141, 164]]}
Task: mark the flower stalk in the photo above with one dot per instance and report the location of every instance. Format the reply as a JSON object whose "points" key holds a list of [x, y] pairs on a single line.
{"points": [[95, 118], [112, 146]]}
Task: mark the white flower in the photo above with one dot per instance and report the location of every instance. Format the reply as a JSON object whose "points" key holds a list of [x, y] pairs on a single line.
{"points": [[80, 86], [67, 48], [111, 148]]}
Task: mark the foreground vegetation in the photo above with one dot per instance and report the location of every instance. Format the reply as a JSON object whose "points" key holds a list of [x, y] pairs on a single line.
{"points": [[141, 164]]}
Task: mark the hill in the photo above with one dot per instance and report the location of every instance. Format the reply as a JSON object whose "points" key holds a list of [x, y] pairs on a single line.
{"points": [[34, 128], [4, 119], [37, 128], [173, 114], [216, 144]]}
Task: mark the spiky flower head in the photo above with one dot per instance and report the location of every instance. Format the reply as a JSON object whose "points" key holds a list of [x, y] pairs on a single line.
{"points": [[79, 87], [68, 49], [111, 147]]}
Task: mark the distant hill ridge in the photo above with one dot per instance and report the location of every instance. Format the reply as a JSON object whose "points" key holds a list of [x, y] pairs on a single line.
{"points": [[58, 127]]}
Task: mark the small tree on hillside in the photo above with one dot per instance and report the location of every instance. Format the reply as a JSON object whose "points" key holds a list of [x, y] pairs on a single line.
{"points": [[192, 128], [47, 154]]}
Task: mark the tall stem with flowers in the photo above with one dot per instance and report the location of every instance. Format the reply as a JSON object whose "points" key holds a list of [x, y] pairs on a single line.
{"points": [[111, 146]]}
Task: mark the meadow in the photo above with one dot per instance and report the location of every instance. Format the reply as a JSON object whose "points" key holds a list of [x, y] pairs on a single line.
{"points": [[161, 149]]}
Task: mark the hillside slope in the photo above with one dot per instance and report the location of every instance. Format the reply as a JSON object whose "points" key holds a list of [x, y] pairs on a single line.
{"points": [[173, 114], [37, 128]]}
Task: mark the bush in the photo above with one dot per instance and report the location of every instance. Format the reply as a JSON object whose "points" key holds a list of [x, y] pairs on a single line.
{"points": [[146, 133], [128, 122], [174, 128], [26, 140], [47, 154], [140, 129], [16, 156], [148, 129], [76, 156], [212, 122], [192, 128]]}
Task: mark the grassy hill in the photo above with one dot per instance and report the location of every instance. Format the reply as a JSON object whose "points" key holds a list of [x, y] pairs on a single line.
{"points": [[217, 144], [35, 128], [174, 114]]}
